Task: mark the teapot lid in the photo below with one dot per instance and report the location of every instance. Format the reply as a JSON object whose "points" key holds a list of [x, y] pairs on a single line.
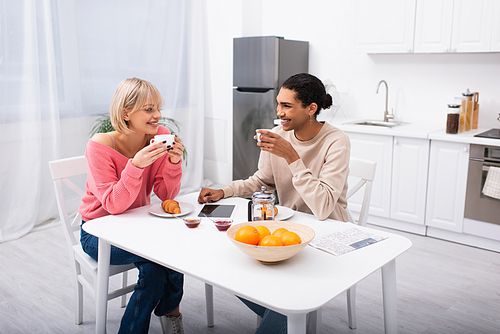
{"points": [[263, 195]]}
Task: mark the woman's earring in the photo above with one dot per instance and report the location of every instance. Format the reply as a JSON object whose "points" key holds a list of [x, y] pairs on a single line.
{"points": [[310, 119]]}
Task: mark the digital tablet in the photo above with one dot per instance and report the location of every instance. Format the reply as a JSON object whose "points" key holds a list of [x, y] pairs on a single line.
{"points": [[217, 210]]}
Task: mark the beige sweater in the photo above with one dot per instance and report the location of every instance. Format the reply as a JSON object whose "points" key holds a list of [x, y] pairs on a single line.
{"points": [[316, 183]]}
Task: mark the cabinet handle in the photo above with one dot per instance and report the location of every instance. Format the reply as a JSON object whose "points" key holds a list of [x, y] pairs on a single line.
{"points": [[396, 142], [466, 149]]}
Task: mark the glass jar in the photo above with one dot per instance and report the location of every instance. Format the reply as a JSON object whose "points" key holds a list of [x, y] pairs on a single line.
{"points": [[467, 109], [453, 118], [462, 102]]}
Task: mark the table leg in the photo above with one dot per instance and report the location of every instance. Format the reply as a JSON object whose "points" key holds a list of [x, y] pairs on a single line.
{"points": [[351, 307], [390, 297], [296, 323], [209, 299], [101, 296], [313, 321]]}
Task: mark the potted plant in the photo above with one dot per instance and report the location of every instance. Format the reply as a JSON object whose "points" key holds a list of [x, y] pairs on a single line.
{"points": [[103, 125]]}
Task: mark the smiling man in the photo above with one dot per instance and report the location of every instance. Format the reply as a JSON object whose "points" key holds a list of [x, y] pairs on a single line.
{"points": [[305, 160]]}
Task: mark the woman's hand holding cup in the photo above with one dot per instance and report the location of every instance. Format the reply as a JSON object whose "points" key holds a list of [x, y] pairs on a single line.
{"points": [[175, 151], [150, 154], [159, 146]]}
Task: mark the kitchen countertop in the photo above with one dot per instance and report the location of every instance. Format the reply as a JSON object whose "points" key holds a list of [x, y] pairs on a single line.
{"points": [[414, 130], [466, 137], [411, 130]]}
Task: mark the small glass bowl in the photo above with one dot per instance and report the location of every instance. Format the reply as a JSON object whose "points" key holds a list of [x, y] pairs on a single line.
{"points": [[223, 224], [192, 222]]}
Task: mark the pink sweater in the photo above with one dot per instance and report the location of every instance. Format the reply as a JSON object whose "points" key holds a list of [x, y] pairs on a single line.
{"points": [[115, 185]]}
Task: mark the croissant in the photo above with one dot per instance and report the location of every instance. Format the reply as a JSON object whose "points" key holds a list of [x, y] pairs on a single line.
{"points": [[171, 206]]}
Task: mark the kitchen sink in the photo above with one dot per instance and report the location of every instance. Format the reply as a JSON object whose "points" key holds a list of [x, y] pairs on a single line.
{"points": [[383, 124]]}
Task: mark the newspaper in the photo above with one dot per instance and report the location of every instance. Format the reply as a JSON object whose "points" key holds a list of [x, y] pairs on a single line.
{"points": [[345, 241]]}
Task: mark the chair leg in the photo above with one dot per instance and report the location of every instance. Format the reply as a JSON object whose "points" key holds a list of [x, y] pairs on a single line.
{"points": [[79, 303], [79, 293], [351, 307], [209, 298], [124, 285]]}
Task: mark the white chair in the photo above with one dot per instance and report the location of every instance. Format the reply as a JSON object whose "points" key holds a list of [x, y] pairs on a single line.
{"points": [[61, 170], [365, 172]]}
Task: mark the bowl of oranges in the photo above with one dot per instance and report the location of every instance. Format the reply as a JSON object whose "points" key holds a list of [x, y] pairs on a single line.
{"points": [[270, 241]]}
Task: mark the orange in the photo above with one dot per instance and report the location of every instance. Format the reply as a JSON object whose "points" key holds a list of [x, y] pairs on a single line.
{"points": [[278, 232], [269, 212], [290, 238], [270, 241], [248, 235], [263, 231]]}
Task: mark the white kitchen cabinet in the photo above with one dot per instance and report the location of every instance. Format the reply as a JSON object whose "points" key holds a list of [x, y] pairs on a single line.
{"points": [[385, 26], [428, 26], [448, 165], [434, 21], [472, 25], [400, 184], [378, 149], [495, 35], [409, 179], [454, 26]]}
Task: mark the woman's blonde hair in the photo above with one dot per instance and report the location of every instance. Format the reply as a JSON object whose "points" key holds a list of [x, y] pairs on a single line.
{"points": [[131, 95]]}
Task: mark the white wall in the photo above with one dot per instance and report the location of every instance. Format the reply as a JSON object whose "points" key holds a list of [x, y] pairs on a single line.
{"points": [[224, 23], [420, 85]]}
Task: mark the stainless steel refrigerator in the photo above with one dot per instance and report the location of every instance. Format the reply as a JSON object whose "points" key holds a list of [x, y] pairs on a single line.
{"points": [[260, 66]]}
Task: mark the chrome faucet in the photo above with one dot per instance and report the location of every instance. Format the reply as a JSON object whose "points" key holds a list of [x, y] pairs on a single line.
{"points": [[387, 116]]}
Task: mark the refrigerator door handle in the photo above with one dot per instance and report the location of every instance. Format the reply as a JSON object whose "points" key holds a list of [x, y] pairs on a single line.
{"points": [[253, 89]]}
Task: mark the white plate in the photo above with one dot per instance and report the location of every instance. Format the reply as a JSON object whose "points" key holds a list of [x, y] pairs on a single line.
{"points": [[157, 210], [283, 213]]}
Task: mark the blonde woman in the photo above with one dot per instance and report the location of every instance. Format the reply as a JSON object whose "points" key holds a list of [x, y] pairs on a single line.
{"points": [[123, 169]]}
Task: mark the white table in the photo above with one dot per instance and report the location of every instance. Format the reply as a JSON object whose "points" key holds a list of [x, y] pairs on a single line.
{"points": [[315, 276]]}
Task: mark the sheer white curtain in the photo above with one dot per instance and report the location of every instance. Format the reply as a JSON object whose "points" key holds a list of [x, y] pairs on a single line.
{"points": [[60, 63]]}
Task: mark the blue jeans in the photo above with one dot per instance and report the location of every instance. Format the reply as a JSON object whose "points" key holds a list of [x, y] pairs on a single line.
{"points": [[158, 289], [272, 322]]}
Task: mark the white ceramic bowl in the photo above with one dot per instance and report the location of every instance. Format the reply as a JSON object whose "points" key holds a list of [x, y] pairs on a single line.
{"points": [[273, 254]]}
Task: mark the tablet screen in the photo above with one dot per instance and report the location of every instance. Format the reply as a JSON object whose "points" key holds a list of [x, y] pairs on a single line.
{"points": [[217, 210]]}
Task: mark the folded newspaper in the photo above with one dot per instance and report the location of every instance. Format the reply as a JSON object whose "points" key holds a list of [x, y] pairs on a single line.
{"points": [[345, 241]]}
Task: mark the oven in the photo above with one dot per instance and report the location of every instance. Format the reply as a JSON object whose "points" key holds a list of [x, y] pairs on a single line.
{"points": [[477, 205]]}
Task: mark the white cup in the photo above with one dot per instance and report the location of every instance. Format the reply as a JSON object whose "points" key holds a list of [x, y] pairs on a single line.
{"points": [[258, 133], [168, 139]]}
